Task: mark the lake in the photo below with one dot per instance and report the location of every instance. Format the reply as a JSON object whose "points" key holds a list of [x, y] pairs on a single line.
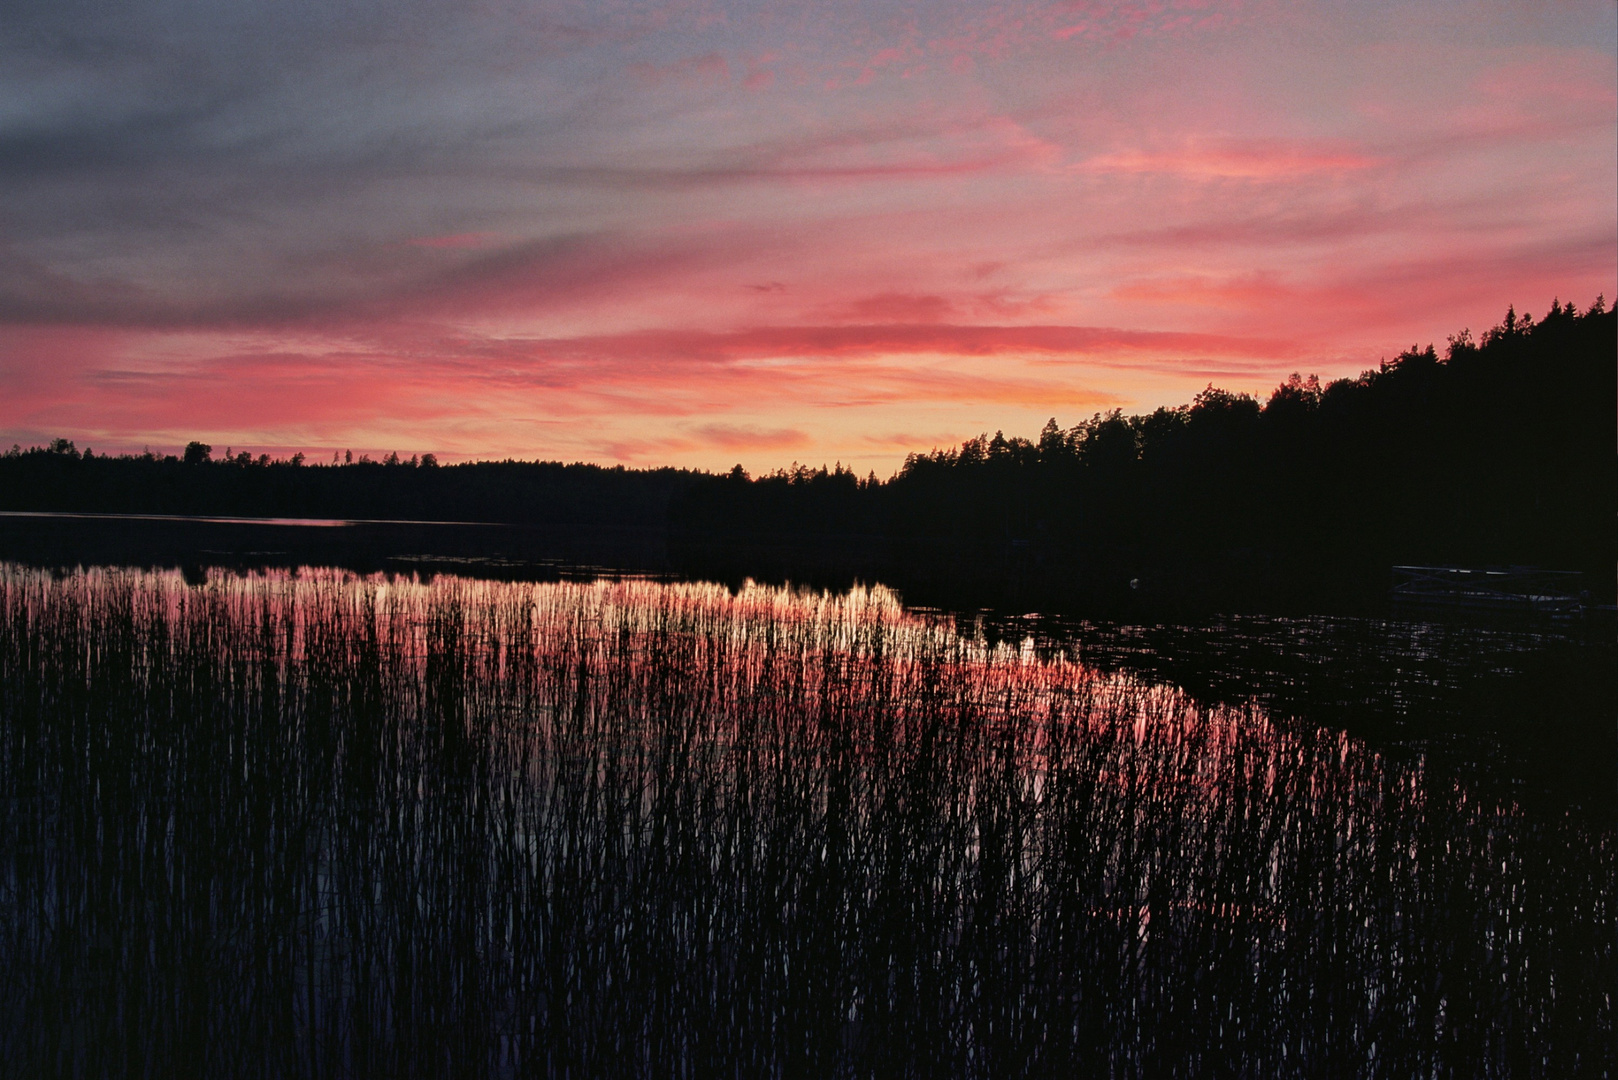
{"points": [[306, 822]]}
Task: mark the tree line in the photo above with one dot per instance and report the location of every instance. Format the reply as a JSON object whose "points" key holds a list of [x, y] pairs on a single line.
{"points": [[60, 478], [1499, 451]]}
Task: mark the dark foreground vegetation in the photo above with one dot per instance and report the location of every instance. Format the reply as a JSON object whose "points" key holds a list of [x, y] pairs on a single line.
{"points": [[320, 825], [1499, 452]]}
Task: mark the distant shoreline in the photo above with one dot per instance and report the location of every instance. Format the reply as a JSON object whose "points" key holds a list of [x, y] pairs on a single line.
{"points": [[317, 523], [1499, 453]]}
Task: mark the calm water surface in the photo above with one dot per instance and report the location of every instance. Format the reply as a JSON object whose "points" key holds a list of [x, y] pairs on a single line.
{"points": [[314, 823]]}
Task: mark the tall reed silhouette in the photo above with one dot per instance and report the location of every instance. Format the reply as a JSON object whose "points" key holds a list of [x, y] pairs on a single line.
{"points": [[323, 825]]}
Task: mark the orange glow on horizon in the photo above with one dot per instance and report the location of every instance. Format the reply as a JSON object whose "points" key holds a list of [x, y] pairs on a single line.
{"points": [[765, 239]]}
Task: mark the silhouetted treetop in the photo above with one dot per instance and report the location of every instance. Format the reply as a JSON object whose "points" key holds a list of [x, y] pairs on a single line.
{"points": [[1502, 450], [1499, 451]]}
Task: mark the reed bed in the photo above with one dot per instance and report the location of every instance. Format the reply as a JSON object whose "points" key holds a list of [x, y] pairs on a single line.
{"points": [[321, 825]]}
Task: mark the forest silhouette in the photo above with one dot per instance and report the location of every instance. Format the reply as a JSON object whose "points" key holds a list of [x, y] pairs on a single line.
{"points": [[1500, 451]]}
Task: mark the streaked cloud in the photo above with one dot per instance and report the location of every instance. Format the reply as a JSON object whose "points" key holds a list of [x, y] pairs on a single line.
{"points": [[692, 232], [1253, 159]]}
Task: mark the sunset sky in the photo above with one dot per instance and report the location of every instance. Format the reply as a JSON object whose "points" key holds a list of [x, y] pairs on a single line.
{"points": [[700, 233]]}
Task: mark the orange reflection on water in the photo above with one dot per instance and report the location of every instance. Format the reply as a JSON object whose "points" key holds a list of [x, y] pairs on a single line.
{"points": [[763, 829]]}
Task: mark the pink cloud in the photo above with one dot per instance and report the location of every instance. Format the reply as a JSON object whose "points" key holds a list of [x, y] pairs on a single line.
{"points": [[1093, 210], [909, 441], [1244, 292], [726, 438], [1109, 21], [897, 307], [259, 397], [906, 339], [732, 437], [1247, 159]]}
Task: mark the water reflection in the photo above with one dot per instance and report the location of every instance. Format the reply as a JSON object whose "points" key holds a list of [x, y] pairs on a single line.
{"points": [[321, 824], [1533, 701]]}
